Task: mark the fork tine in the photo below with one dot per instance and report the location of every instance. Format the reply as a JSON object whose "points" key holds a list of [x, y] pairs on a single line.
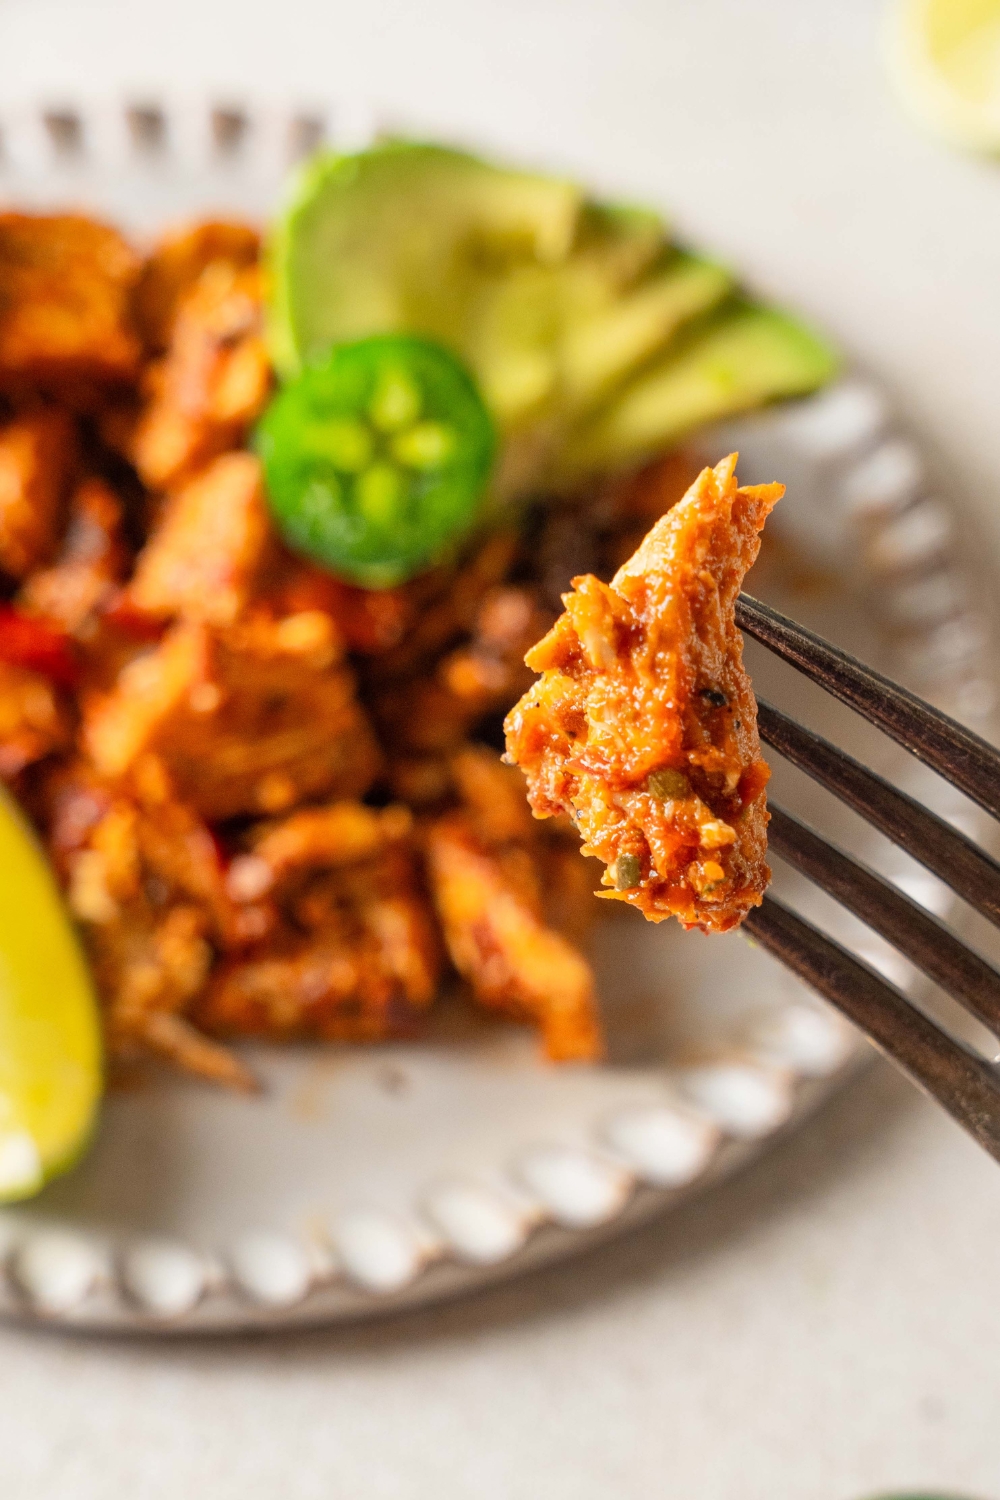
{"points": [[959, 862], [966, 1086], [963, 758], [918, 935]]}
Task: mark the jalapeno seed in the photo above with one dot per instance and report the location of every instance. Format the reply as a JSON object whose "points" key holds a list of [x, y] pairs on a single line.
{"points": [[426, 445], [378, 492], [347, 445], [628, 872], [396, 402]]}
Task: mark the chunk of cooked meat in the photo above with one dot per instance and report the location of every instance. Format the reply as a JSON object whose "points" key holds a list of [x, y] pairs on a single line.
{"points": [[541, 858], [213, 381], [38, 453], [341, 833], [434, 712], [441, 607], [248, 720], [119, 844], [65, 290], [499, 942], [146, 884], [91, 562], [492, 796], [202, 559], [33, 722], [334, 986], [353, 953], [175, 265], [643, 725]]}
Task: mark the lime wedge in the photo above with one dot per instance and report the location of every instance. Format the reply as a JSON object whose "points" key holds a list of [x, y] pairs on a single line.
{"points": [[50, 1038], [944, 57]]}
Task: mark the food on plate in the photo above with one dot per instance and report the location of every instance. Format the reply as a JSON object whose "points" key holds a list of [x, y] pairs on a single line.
{"points": [[643, 724], [50, 1030], [490, 874], [377, 458], [65, 318], [595, 341], [276, 531]]}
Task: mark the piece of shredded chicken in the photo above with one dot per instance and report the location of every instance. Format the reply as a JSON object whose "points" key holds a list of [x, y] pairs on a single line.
{"points": [[643, 724]]}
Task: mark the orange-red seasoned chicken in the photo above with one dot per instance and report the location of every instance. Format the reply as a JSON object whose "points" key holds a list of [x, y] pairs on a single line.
{"points": [[247, 720], [347, 945], [643, 724], [202, 560], [212, 382], [66, 284], [38, 452], [496, 888]]}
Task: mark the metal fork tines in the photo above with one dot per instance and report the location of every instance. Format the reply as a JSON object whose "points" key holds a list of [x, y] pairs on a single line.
{"points": [[960, 1079]]}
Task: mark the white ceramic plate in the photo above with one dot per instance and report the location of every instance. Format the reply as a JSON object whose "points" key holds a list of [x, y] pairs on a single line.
{"points": [[364, 1179]]}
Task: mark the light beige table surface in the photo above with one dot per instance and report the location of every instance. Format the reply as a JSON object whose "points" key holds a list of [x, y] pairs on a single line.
{"points": [[828, 1325]]}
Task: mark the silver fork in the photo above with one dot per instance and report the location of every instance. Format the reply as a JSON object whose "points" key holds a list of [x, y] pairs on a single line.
{"points": [[965, 1084]]}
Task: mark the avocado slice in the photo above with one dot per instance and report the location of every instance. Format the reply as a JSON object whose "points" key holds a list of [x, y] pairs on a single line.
{"points": [[498, 265], [745, 356], [602, 349], [409, 238]]}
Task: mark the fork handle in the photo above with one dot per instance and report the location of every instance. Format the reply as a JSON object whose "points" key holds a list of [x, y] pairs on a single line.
{"points": [[956, 753], [966, 1085]]}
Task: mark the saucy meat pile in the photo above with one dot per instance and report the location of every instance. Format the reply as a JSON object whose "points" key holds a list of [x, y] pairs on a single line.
{"points": [[643, 724], [276, 801]]}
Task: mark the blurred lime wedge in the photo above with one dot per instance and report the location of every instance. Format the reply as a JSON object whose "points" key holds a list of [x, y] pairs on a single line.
{"points": [[944, 57], [50, 1040]]}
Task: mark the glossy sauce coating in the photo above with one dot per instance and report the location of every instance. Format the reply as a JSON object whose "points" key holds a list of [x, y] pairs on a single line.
{"points": [[643, 724]]}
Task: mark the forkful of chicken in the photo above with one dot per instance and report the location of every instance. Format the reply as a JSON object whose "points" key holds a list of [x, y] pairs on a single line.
{"points": [[643, 727]]}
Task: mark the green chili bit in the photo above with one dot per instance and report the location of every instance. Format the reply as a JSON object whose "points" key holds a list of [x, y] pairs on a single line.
{"points": [[667, 784], [628, 871], [377, 457]]}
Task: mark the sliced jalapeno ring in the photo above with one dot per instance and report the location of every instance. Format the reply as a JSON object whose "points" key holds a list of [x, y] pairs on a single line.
{"points": [[377, 457]]}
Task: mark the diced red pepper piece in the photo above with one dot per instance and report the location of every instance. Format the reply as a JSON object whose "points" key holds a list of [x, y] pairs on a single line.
{"points": [[36, 643], [123, 615]]}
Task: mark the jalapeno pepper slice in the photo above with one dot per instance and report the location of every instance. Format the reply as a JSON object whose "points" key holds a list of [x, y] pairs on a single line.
{"points": [[377, 457]]}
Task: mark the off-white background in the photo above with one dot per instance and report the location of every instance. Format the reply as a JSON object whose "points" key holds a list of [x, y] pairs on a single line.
{"points": [[829, 1325]]}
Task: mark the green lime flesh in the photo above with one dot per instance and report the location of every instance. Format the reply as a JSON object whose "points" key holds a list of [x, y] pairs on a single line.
{"points": [[377, 457], [50, 1036]]}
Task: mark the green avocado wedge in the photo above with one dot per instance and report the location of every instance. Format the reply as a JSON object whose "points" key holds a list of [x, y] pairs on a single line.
{"points": [[408, 238], [50, 1035], [494, 264], [744, 358]]}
